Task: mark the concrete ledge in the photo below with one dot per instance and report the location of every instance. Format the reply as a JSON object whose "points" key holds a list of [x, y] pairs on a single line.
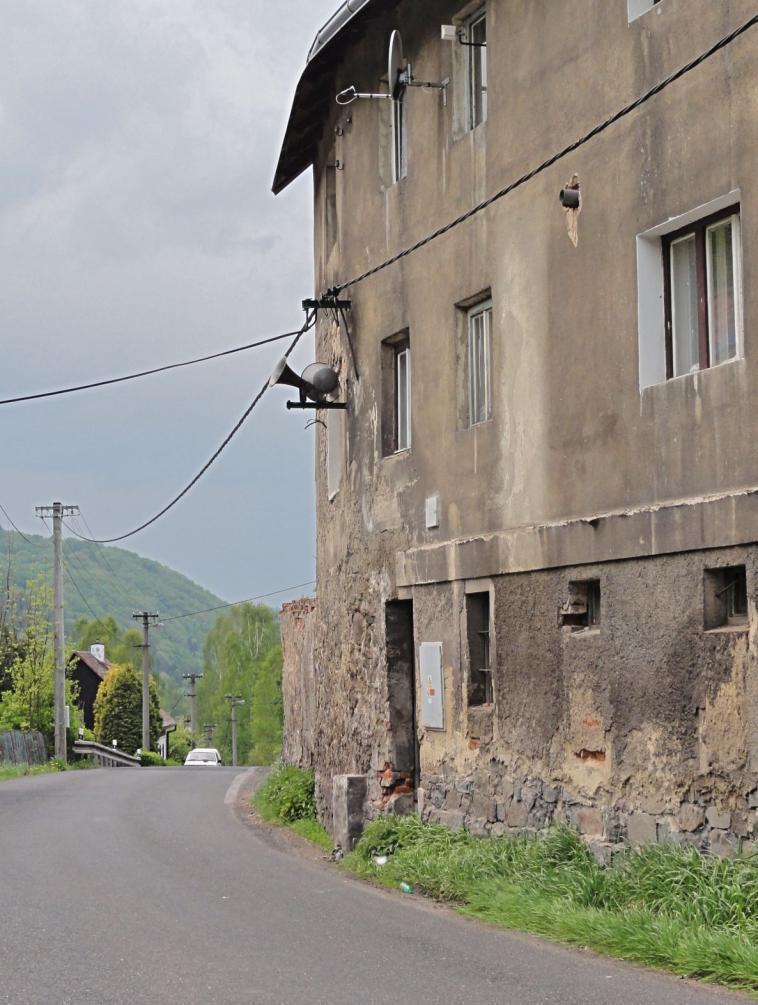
{"points": [[695, 524]]}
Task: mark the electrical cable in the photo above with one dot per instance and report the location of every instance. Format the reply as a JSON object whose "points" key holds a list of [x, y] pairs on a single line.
{"points": [[237, 603], [595, 131], [7, 517], [145, 373], [100, 550], [76, 587], [310, 321]]}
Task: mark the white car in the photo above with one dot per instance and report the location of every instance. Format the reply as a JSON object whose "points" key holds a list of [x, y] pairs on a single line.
{"points": [[203, 756]]}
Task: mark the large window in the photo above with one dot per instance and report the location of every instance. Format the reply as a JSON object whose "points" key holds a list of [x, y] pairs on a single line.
{"points": [[475, 36], [479, 363], [701, 289]]}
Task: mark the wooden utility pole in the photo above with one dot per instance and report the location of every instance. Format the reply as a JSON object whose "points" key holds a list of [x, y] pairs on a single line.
{"points": [[193, 678], [57, 511], [147, 619], [234, 700]]}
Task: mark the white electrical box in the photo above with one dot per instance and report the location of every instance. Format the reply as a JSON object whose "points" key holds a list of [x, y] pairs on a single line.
{"points": [[432, 512], [432, 691], [449, 32]]}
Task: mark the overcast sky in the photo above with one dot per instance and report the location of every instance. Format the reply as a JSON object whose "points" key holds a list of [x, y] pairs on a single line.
{"points": [[138, 140]]}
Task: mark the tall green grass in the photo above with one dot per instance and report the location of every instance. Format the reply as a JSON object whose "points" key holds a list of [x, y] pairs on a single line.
{"points": [[288, 797], [8, 771], [665, 906]]}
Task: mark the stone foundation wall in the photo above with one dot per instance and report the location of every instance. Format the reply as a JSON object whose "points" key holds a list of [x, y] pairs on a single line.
{"points": [[642, 729]]}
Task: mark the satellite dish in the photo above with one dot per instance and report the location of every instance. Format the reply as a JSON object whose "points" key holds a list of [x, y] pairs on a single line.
{"points": [[396, 66]]}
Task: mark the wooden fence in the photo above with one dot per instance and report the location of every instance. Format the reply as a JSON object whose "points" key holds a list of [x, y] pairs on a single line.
{"points": [[18, 747]]}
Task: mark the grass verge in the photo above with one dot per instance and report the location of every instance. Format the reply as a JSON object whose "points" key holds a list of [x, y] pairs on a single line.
{"points": [[287, 798], [663, 906], [8, 771]]}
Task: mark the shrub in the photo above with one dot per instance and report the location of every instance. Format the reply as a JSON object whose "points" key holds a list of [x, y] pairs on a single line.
{"points": [[287, 795]]}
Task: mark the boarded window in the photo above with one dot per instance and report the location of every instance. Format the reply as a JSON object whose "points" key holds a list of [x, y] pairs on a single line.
{"points": [[582, 608]]}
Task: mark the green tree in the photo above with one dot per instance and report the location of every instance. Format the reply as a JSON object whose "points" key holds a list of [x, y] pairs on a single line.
{"points": [[118, 710], [28, 699], [242, 656]]}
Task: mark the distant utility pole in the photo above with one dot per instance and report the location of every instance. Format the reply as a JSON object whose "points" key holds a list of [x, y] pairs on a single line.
{"points": [[57, 511], [193, 678], [208, 732], [234, 700], [147, 620]]}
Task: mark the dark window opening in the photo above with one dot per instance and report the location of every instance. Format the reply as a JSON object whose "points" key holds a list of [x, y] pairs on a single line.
{"points": [[582, 609], [725, 597], [480, 691]]}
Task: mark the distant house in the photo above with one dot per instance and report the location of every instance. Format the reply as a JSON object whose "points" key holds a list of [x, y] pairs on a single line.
{"points": [[88, 669]]}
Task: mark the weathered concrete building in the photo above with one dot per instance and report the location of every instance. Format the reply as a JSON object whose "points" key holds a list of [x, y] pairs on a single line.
{"points": [[538, 516]]}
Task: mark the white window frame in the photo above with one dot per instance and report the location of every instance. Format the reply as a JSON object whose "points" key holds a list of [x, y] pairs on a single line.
{"points": [[399, 138], [651, 314], [735, 220], [402, 428], [473, 99], [476, 413]]}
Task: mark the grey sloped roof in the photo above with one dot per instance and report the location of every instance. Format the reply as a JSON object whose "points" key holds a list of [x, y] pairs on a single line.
{"points": [[314, 92]]}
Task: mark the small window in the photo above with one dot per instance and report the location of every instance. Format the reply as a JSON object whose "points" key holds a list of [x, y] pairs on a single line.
{"points": [[479, 363], [701, 290], [480, 690], [725, 598], [475, 37], [396, 395], [582, 609]]}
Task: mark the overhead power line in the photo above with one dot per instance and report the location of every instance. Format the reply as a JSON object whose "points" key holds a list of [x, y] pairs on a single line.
{"points": [[310, 321], [19, 533], [145, 373], [237, 603], [76, 587], [595, 131]]}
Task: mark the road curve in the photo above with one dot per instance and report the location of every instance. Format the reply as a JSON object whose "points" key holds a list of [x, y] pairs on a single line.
{"points": [[123, 887]]}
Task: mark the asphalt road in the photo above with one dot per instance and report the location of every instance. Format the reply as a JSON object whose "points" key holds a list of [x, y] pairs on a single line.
{"points": [[125, 887]]}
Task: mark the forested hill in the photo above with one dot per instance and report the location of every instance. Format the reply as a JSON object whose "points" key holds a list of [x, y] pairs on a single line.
{"points": [[117, 582]]}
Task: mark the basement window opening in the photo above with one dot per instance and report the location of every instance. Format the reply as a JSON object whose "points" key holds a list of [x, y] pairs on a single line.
{"points": [[581, 611], [480, 691], [725, 598]]}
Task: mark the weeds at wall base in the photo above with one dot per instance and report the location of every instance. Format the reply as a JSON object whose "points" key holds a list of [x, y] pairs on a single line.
{"points": [[666, 907], [287, 798]]}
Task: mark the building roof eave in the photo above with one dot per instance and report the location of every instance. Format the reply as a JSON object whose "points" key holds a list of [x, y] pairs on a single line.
{"points": [[311, 98]]}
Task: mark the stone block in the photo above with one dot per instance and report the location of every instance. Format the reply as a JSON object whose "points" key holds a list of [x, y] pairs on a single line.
{"points": [[587, 820], [690, 817], [478, 827], [538, 815], [348, 812], [401, 805], [517, 815], [501, 810], [530, 793], [551, 793], [723, 844], [742, 823], [641, 828], [421, 801], [497, 829], [717, 819], [449, 818]]}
